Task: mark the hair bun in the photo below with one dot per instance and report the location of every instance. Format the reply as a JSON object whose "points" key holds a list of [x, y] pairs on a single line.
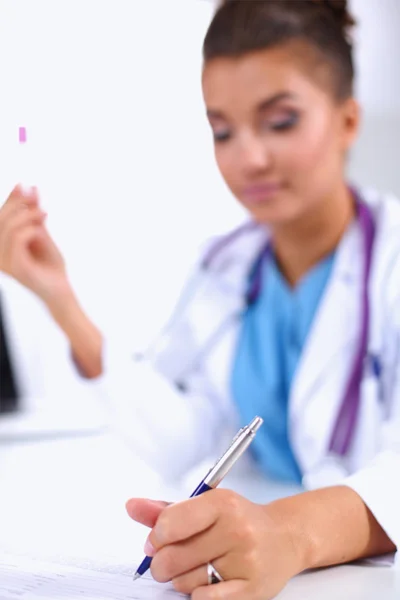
{"points": [[338, 8], [340, 11]]}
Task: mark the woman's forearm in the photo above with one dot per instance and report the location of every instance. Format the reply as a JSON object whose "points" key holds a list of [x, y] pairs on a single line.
{"points": [[332, 526], [84, 337]]}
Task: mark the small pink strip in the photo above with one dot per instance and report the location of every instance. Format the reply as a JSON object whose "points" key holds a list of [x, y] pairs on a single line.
{"points": [[22, 135]]}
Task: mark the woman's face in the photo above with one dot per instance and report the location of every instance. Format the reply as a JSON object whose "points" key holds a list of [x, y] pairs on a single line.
{"points": [[281, 139]]}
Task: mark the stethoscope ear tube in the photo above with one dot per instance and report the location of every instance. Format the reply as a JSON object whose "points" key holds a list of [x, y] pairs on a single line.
{"points": [[342, 434]]}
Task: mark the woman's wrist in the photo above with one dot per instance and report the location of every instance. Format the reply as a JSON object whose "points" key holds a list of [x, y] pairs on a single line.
{"points": [[61, 302], [84, 337], [330, 526], [287, 514]]}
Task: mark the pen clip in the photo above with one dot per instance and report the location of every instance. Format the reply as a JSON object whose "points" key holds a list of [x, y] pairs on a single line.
{"points": [[239, 444], [239, 433]]}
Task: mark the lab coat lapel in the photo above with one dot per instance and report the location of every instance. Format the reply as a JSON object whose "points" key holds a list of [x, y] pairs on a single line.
{"points": [[220, 304], [225, 283], [326, 360]]}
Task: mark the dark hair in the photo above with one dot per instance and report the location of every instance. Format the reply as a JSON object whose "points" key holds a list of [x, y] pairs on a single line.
{"points": [[243, 26]]}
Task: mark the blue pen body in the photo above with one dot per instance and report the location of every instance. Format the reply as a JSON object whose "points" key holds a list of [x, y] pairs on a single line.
{"points": [[146, 562], [144, 565], [201, 488]]}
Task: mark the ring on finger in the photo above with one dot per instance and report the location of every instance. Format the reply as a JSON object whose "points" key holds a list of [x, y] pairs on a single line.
{"points": [[212, 575]]}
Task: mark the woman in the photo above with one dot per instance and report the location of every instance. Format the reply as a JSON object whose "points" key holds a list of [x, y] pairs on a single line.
{"points": [[296, 318]]}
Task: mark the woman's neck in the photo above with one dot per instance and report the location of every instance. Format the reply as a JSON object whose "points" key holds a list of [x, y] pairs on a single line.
{"points": [[300, 245]]}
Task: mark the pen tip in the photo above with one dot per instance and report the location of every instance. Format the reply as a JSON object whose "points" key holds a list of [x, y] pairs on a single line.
{"points": [[136, 576]]}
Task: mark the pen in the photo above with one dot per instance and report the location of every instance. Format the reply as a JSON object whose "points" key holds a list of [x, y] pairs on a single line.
{"points": [[238, 446]]}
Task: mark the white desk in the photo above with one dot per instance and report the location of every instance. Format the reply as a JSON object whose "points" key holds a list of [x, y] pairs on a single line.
{"points": [[68, 498]]}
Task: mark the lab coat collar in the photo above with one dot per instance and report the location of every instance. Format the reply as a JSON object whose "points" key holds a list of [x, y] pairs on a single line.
{"points": [[335, 327], [239, 251]]}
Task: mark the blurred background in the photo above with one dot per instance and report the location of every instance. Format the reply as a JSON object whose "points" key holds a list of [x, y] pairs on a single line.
{"points": [[110, 94], [118, 143]]}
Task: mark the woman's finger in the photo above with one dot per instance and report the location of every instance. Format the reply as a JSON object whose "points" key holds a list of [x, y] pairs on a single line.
{"points": [[186, 519], [27, 235], [22, 217], [236, 589], [188, 582], [14, 259], [21, 195], [176, 559], [145, 511], [14, 206], [22, 191], [9, 235], [19, 220]]}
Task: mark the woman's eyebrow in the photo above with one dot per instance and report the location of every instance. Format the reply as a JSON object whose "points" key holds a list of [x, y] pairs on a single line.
{"points": [[262, 106]]}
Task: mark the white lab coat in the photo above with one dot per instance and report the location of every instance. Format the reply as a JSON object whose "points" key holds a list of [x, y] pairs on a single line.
{"points": [[175, 430], [55, 400]]}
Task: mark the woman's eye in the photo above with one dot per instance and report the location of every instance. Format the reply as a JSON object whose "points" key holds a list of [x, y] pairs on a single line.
{"points": [[221, 136], [283, 124]]}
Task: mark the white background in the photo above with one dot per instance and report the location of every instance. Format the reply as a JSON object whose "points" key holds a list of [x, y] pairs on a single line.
{"points": [[110, 93]]}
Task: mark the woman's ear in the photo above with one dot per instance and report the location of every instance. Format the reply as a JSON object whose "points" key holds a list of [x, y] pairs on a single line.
{"points": [[351, 122]]}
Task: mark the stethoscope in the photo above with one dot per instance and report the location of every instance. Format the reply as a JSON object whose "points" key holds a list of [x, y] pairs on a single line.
{"points": [[346, 421]]}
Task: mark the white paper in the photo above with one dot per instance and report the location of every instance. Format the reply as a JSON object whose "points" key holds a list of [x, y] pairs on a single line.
{"points": [[25, 578]]}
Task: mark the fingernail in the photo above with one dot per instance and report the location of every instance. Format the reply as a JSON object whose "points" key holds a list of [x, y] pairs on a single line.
{"points": [[25, 189], [149, 549]]}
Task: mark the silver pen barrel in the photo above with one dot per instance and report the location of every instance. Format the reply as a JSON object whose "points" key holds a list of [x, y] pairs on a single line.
{"points": [[239, 445]]}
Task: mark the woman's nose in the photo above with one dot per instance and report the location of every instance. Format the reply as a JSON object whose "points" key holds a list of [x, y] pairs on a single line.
{"points": [[255, 155]]}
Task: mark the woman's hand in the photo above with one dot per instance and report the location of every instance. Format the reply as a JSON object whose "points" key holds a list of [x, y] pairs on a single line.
{"points": [[27, 252], [256, 549], [29, 255], [252, 548]]}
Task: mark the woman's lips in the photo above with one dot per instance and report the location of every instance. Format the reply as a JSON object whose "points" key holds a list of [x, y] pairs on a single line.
{"points": [[260, 193]]}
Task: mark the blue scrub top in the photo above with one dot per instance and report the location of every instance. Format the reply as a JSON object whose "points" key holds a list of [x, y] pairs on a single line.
{"points": [[273, 334]]}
